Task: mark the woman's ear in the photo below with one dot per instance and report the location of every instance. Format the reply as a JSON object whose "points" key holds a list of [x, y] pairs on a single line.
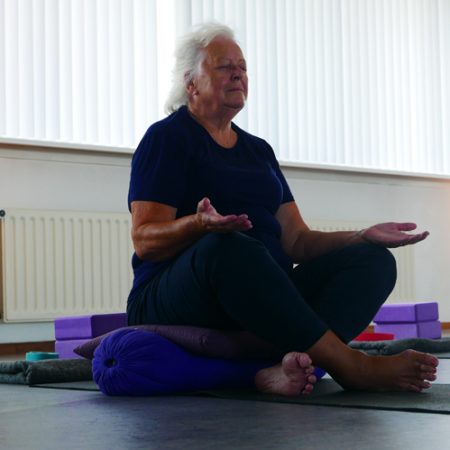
{"points": [[191, 88]]}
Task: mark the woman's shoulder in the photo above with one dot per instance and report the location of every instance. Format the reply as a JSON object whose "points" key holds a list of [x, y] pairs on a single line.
{"points": [[168, 136], [173, 123]]}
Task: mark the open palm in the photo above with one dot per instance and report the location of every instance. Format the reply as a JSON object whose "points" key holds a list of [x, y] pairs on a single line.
{"points": [[393, 234], [213, 221]]}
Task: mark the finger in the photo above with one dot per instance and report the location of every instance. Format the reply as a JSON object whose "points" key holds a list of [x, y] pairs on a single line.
{"points": [[206, 203], [406, 226], [410, 240], [417, 237], [232, 219], [240, 223], [421, 236], [247, 225], [222, 220], [203, 204], [234, 226]]}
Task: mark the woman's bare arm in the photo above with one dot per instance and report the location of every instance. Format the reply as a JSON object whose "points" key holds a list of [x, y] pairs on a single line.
{"points": [[158, 235], [303, 244]]}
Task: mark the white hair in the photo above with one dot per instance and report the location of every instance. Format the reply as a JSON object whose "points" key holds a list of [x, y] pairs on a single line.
{"points": [[188, 57]]}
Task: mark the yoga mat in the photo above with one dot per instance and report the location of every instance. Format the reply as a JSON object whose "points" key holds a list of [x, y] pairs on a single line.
{"points": [[73, 386], [328, 393], [435, 400]]}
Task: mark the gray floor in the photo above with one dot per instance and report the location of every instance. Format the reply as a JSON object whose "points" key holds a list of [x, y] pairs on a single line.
{"points": [[33, 418]]}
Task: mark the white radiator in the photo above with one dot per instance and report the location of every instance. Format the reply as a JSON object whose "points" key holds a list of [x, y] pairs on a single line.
{"points": [[56, 263], [404, 290]]}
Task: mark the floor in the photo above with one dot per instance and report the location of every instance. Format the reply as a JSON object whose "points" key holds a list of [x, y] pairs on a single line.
{"points": [[47, 419]]}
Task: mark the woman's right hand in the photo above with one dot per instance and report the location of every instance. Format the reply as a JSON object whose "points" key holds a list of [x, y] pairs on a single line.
{"points": [[211, 220], [158, 235]]}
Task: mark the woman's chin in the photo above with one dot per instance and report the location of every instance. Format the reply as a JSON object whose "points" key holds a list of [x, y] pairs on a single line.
{"points": [[236, 104]]}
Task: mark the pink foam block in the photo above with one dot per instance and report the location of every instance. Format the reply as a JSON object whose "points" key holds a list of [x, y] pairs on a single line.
{"points": [[65, 348], [427, 330], [407, 312], [85, 327]]}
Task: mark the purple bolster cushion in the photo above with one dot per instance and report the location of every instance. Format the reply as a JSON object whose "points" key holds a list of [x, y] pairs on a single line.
{"points": [[137, 362]]}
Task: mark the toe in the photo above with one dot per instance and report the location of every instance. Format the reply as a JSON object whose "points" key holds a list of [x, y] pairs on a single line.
{"points": [[426, 368], [304, 360], [428, 376]]}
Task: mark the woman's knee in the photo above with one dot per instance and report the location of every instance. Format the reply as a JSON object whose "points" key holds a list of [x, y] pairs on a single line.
{"points": [[381, 261], [384, 258]]}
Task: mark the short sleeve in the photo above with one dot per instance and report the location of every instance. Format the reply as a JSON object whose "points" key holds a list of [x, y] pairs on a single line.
{"points": [[287, 194], [159, 168]]}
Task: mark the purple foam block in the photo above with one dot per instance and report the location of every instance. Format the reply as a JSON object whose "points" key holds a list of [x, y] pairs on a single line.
{"points": [[407, 312], [85, 327], [426, 330], [65, 348]]}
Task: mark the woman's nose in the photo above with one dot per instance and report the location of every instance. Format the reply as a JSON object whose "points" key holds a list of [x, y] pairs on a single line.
{"points": [[236, 72]]}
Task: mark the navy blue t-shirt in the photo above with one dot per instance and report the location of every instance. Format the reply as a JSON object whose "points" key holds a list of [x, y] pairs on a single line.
{"points": [[178, 163]]}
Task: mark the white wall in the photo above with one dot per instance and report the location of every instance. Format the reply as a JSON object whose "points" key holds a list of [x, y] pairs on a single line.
{"points": [[36, 178], [63, 179]]}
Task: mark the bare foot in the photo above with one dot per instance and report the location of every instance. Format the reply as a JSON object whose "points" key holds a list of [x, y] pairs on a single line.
{"points": [[407, 371], [352, 369], [293, 376]]}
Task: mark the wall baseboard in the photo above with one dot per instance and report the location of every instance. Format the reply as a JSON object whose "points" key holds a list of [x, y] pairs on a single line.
{"points": [[18, 348]]}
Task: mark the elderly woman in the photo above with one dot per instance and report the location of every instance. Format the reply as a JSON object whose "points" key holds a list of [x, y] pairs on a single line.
{"points": [[217, 232]]}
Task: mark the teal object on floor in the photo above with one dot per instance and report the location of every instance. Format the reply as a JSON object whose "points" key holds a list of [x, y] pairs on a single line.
{"points": [[39, 356]]}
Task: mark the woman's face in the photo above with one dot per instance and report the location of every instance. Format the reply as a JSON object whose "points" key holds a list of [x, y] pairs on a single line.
{"points": [[221, 80]]}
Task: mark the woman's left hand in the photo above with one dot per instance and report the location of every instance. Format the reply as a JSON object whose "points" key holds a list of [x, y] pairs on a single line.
{"points": [[392, 234]]}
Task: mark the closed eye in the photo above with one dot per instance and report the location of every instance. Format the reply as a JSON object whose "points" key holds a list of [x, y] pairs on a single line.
{"points": [[231, 67]]}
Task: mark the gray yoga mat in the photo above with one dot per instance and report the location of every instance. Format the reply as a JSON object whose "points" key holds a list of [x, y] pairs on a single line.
{"points": [[72, 386], [328, 393]]}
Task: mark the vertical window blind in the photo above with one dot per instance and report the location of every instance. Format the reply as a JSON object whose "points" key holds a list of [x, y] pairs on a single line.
{"points": [[354, 83]]}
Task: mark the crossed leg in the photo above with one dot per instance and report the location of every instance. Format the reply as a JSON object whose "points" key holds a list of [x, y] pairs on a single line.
{"points": [[408, 371]]}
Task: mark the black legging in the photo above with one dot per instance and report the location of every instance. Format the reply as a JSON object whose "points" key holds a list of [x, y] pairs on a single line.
{"points": [[230, 281]]}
